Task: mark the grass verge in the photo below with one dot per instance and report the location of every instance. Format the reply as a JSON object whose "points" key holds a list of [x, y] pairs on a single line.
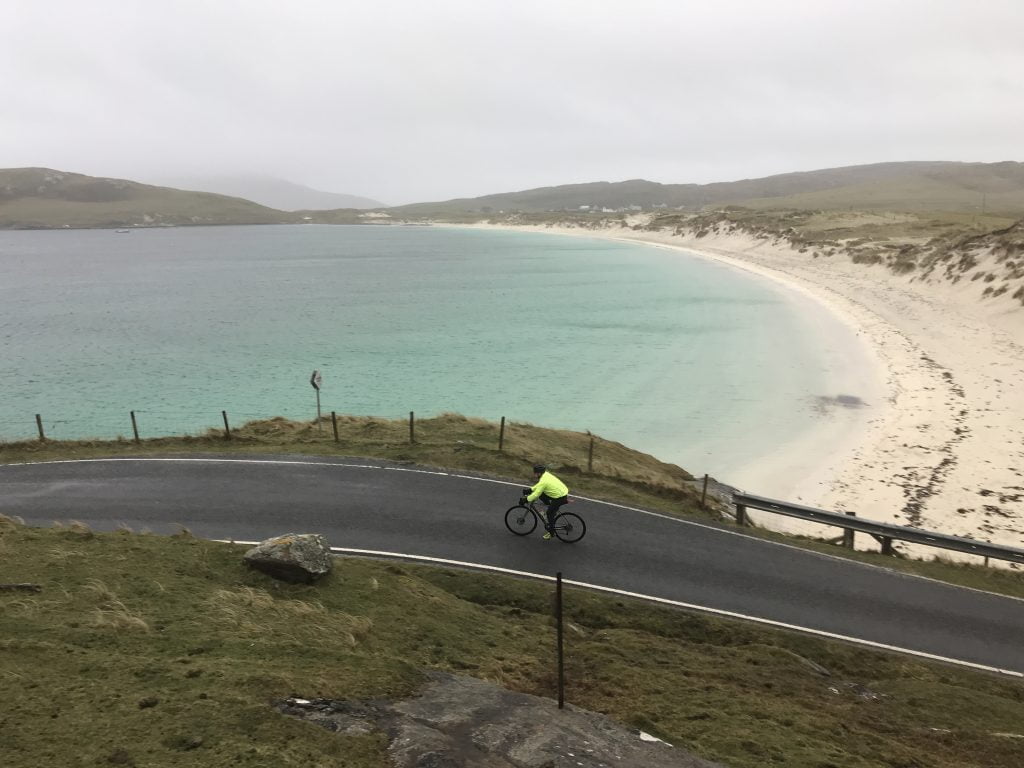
{"points": [[609, 471]]}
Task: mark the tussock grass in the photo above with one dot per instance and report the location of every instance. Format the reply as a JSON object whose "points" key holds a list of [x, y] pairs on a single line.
{"points": [[85, 684], [99, 590], [110, 612], [116, 616], [9, 522], [75, 527], [255, 611]]}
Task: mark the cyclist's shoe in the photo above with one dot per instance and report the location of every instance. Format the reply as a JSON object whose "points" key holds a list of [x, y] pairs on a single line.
{"points": [[547, 534]]}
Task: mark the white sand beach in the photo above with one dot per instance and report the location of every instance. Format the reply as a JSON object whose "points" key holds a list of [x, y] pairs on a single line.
{"points": [[940, 443]]}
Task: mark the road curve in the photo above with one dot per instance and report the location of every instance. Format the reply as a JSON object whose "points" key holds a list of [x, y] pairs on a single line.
{"points": [[367, 505]]}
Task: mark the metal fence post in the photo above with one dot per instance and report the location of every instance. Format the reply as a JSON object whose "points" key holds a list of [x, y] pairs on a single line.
{"points": [[39, 424], [334, 424], [227, 429], [501, 435], [590, 454], [412, 432], [135, 427], [558, 624]]}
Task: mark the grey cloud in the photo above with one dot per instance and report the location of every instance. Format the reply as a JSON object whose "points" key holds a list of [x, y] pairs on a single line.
{"points": [[406, 101]]}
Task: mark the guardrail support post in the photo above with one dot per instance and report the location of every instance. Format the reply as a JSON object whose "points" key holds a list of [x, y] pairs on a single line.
{"points": [[884, 533], [848, 533]]}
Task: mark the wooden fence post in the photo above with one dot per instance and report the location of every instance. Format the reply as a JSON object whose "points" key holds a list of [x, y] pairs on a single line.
{"points": [[39, 424], [590, 454], [227, 429], [704, 493], [412, 428], [501, 435], [135, 427], [334, 423]]}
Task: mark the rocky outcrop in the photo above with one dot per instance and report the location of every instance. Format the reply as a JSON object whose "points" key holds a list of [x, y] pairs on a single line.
{"points": [[295, 558], [461, 722]]}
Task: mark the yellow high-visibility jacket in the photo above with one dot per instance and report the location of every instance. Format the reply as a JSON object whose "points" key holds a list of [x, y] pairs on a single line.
{"points": [[549, 484]]}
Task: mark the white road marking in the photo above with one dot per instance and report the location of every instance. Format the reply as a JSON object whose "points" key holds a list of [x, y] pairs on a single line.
{"points": [[666, 601], [597, 587], [722, 531]]}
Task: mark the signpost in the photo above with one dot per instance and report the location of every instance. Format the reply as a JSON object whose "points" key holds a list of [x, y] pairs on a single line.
{"points": [[316, 379]]}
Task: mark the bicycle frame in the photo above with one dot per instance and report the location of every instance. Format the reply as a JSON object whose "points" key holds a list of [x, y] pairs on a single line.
{"points": [[567, 526]]}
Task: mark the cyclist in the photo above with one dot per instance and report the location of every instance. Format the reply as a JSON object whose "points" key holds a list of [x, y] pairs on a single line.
{"points": [[550, 490]]}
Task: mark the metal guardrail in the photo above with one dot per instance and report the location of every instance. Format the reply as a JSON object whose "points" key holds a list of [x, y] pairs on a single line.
{"points": [[885, 533]]}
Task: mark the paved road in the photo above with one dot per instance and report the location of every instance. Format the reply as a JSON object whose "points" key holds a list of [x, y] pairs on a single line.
{"points": [[363, 505]]}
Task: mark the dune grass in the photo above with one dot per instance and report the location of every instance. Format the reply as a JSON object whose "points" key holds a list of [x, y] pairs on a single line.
{"points": [[167, 651]]}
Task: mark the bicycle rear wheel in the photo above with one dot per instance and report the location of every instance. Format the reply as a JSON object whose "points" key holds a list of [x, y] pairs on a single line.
{"points": [[569, 527], [520, 520]]}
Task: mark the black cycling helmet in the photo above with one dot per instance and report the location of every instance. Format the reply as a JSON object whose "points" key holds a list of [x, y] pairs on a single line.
{"points": [[539, 469]]}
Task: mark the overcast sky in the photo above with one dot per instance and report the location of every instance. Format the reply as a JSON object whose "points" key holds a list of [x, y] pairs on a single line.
{"points": [[415, 100]]}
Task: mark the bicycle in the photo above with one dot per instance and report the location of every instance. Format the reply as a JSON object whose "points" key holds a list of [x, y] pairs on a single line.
{"points": [[522, 521]]}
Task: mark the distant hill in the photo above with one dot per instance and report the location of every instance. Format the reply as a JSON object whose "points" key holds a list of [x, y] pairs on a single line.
{"points": [[274, 193], [42, 198], [911, 186]]}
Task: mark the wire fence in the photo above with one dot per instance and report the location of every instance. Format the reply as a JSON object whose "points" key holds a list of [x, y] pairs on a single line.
{"points": [[156, 423], [147, 422]]}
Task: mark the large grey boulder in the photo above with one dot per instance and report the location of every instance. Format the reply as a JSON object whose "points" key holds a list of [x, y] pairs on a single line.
{"points": [[461, 722], [295, 557]]}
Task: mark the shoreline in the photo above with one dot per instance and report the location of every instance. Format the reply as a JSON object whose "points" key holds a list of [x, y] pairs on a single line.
{"points": [[941, 445], [837, 434]]}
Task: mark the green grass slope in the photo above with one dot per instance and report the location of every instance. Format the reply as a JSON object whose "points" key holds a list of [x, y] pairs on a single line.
{"points": [[912, 193], [167, 651], [40, 198], [909, 186]]}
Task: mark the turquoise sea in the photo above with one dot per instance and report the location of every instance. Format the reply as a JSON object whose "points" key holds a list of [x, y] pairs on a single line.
{"points": [[693, 361]]}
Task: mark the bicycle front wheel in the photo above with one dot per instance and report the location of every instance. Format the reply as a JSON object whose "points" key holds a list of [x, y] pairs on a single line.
{"points": [[569, 527], [520, 520]]}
